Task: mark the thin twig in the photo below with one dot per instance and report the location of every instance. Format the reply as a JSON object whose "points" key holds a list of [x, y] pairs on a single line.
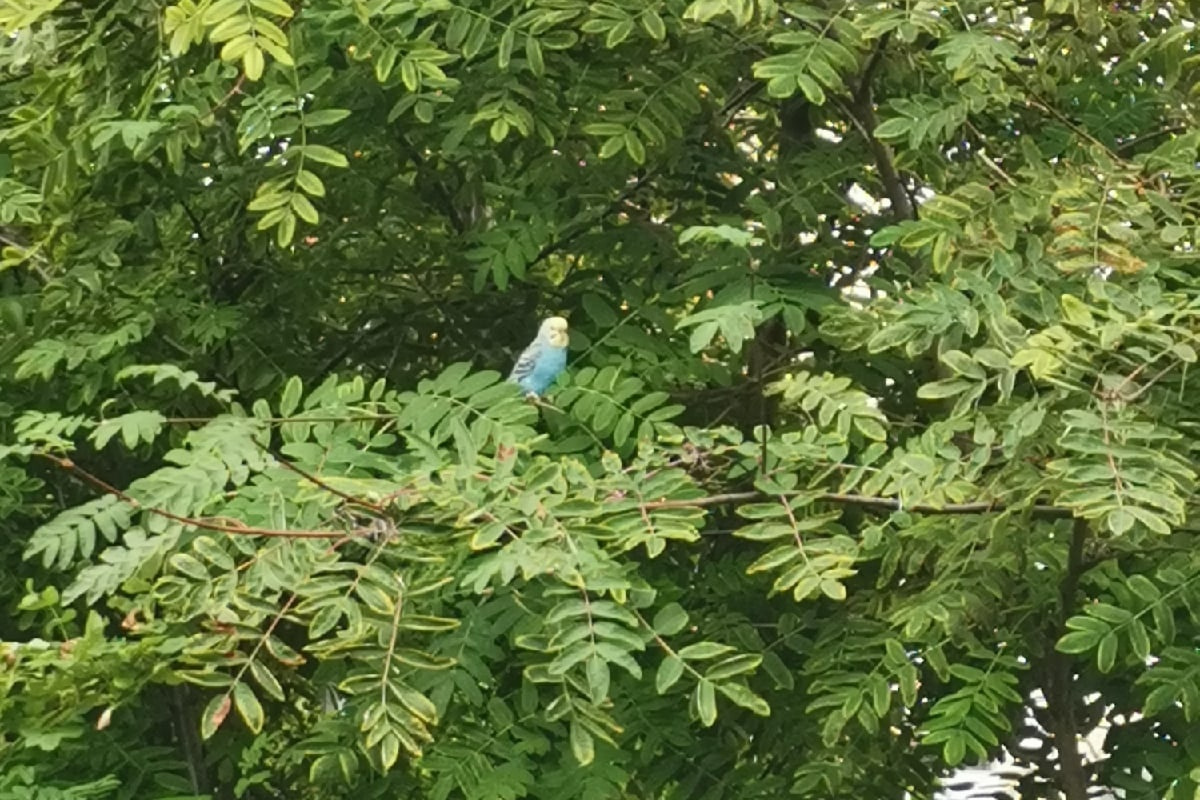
{"points": [[870, 501], [1037, 102], [391, 649], [322, 484], [282, 420], [787, 506], [240, 530], [988, 161], [994, 167], [235, 89], [1126, 147]]}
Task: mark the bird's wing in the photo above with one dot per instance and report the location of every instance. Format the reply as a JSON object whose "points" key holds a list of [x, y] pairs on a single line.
{"points": [[526, 362]]}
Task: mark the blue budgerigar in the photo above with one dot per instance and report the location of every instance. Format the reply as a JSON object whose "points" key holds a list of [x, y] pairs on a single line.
{"points": [[543, 359]]}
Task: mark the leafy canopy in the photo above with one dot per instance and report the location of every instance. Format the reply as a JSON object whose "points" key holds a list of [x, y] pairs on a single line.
{"points": [[874, 454]]}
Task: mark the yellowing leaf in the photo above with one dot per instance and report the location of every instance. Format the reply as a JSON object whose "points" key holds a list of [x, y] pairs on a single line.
{"points": [[253, 63]]}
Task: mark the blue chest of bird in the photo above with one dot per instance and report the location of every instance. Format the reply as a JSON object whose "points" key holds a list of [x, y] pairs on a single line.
{"points": [[544, 358]]}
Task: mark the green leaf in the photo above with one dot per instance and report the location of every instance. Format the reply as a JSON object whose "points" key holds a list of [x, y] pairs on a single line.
{"points": [[248, 707], [1077, 642], [324, 155], [704, 650], [1076, 312], [834, 590], [745, 698], [222, 10], [1164, 623], [618, 33], [285, 230], [1109, 613], [894, 129], [266, 200], [612, 146], [385, 62], [421, 622], [325, 116], [963, 364], [1144, 588], [533, 55], [310, 183], [1106, 652], [605, 129], [503, 56], [213, 553], [702, 336], [583, 747], [1119, 521], [253, 63], [954, 749], [775, 558], [1184, 352], [1139, 639], [289, 401], [670, 619], [304, 209], [991, 358], [277, 7], [264, 678], [389, 749], [422, 660], [476, 38], [669, 671], [734, 665], [870, 428], [635, 148], [704, 701], [653, 24], [943, 388], [597, 678], [190, 566]]}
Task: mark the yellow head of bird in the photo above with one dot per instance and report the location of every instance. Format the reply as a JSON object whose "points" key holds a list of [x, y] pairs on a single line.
{"points": [[554, 332]]}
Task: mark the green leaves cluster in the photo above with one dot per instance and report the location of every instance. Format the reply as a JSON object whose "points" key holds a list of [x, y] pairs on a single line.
{"points": [[881, 331]]}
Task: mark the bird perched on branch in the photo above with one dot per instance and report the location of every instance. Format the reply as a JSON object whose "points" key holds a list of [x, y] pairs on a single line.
{"points": [[543, 359]]}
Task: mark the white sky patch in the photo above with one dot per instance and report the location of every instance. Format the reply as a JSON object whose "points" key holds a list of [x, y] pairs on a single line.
{"points": [[864, 199]]}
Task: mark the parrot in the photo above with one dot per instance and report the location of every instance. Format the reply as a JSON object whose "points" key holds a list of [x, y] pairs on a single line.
{"points": [[543, 359]]}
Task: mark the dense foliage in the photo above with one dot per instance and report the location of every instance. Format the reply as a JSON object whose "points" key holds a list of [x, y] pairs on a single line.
{"points": [[837, 492]]}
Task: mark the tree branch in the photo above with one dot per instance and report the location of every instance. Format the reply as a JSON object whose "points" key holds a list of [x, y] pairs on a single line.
{"points": [[183, 719], [582, 227], [1060, 689], [236, 89], [864, 85], [236, 529], [869, 501], [31, 255], [443, 196], [862, 115], [860, 109], [1127, 147], [318, 482], [1036, 101]]}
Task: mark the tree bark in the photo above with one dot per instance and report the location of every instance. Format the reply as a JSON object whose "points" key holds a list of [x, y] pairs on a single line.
{"points": [[186, 722], [1059, 684]]}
